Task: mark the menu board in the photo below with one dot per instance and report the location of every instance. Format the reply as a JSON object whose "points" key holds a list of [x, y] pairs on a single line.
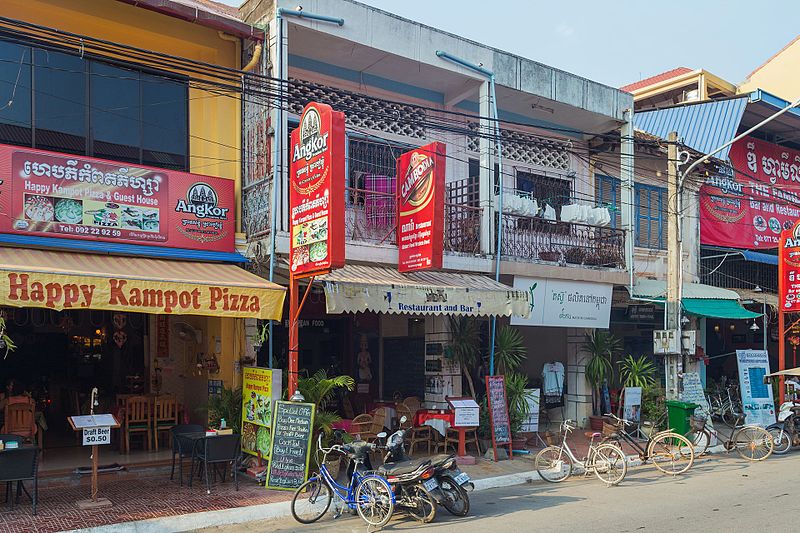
{"points": [[498, 412], [76, 197], [260, 388], [292, 426]]}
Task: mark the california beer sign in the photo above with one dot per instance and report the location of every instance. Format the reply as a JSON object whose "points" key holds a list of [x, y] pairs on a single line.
{"points": [[316, 192], [789, 269], [420, 208]]}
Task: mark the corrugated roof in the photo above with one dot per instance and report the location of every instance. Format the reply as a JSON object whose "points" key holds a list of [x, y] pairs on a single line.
{"points": [[703, 126], [374, 275], [652, 80], [656, 288]]}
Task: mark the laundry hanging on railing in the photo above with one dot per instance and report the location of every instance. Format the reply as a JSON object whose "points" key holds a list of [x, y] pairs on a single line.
{"points": [[586, 214], [514, 204]]}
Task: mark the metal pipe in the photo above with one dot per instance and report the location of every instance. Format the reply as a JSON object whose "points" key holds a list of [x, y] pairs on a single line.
{"points": [[499, 153], [299, 13], [276, 154]]}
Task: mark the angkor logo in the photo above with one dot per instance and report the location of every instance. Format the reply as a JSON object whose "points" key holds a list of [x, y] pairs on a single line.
{"points": [[201, 201]]}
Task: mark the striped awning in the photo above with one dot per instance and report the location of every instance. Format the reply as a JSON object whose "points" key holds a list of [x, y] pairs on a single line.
{"points": [[359, 288], [65, 280]]}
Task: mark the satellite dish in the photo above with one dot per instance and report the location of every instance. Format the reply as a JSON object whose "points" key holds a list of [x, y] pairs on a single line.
{"points": [[187, 333]]}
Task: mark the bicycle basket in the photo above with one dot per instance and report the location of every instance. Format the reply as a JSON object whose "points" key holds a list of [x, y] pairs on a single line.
{"points": [[697, 422], [610, 430]]}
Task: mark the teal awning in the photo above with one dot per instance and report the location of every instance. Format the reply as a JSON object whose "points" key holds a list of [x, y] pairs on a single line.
{"points": [[708, 308]]}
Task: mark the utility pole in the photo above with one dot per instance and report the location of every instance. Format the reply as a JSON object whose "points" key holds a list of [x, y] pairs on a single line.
{"points": [[672, 362]]}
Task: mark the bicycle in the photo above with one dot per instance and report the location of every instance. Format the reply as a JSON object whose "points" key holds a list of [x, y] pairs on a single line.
{"points": [[370, 495], [606, 461], [670, 452], [751, 442], [725, 405]]}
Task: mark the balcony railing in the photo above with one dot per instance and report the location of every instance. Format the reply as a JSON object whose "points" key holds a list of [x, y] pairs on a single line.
{"points": [[462, 229], [370, 217], [537, 239]]}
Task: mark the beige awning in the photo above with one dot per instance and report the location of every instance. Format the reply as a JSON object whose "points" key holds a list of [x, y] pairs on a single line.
{"points": [[359, 288]]}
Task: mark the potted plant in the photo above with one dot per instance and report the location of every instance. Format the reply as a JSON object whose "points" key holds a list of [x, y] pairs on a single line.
{"points": [[6, 344], [550, 255], [228, 405], [509, 350], [574, 256], [518, 410], [599, 347], [464, 346], [320, 389], [653, 407]]}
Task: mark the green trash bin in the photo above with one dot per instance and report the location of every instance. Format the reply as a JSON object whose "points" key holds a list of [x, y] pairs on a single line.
{"points": [[679, 414]]}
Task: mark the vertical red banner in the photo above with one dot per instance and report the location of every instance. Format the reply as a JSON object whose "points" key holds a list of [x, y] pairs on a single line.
{"points": [[316, 190], [420, 208], [789, 270]]}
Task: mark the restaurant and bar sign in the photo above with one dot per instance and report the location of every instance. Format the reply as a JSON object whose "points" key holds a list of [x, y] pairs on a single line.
{"points": [[316, 191], [420, 208], [75, 197], [566, 304], [749, 206], [66, 291]]}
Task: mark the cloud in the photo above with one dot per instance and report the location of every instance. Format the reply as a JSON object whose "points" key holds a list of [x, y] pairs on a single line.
{"points": [[565, 30]]}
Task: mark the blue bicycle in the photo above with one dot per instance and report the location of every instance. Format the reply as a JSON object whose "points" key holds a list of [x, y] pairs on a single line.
{"points": [[370, 495]]}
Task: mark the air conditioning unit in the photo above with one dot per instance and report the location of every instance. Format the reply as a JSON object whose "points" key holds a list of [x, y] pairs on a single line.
{"points": [[665, 341]]}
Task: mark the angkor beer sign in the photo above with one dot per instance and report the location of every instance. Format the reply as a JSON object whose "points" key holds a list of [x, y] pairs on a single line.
{"points": [[789, 270], [75, 197], [420, 208], [750, 206], [316, 190]]}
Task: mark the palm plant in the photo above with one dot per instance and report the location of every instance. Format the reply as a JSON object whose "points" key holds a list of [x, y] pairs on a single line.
{"points": [[320, 390], [637, 371], [517, 398], [600, 347], [228, 405], [509, 350], [464, 346]]}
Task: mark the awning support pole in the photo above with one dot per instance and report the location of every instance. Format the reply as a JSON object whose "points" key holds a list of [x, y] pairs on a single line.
{"points": [[781, 350], [294, 326]]}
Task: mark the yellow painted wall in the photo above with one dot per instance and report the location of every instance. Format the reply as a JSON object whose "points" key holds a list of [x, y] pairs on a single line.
{"points": [[780, 76], [214, 120]]}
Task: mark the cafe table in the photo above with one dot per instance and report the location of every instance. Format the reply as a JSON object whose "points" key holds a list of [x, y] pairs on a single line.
{"points": [[438, 419], [11, 470]]}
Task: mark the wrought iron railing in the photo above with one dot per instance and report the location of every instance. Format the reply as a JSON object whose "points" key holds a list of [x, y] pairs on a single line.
{"points": [[370, 216], [531, 238]]}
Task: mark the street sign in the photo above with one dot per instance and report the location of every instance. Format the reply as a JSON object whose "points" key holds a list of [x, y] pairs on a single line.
{"points": [[96, 435]]}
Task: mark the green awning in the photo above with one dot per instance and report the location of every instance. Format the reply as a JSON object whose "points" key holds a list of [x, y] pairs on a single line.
{"points": [[706, 307]]}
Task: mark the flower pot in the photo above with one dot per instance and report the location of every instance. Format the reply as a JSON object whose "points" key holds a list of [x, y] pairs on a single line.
{"points": [[596, 423], [549, 256]]}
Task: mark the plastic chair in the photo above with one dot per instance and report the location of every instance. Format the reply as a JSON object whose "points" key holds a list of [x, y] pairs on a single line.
{"points": [[20, 465], [217, 450], [177, 447], [165, 416], [137, 419]]}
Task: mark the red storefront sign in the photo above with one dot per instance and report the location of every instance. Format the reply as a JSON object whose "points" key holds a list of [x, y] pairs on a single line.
{"points": [[420, 208], [752, 207], [316, 191], [75, 197], [789, 270]]}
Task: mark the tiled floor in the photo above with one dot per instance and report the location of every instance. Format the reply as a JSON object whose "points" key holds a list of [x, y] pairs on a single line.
{"points": [[136, 496]]}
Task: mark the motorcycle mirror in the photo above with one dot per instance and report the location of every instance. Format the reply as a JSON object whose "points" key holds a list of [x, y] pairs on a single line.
{"points": [[381, 435], [403, 419]]}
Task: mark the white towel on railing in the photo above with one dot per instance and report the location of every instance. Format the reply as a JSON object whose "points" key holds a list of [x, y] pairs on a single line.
{"points": [[549, 212]]}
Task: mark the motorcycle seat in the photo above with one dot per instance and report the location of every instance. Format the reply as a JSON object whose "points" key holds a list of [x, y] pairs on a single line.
{"points": [[403, 467]]}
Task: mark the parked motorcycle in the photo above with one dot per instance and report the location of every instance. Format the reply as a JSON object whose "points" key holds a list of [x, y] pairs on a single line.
{"points": [[786, 431], [453, 484]]}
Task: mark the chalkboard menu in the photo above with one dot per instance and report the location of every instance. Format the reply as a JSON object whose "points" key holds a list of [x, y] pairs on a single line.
{"points": [[498, 412], [292, 431], [404, 366]]}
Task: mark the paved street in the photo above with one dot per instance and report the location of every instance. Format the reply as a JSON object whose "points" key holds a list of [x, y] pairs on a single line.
{"points": [[720, 494]]}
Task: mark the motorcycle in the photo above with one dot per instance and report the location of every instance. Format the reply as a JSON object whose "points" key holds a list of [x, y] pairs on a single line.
{"points": [[786, 431], [453, 484]]}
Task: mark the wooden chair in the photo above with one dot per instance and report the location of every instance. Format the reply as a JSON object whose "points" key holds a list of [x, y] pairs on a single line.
{"points": [[470, 437], [378, 421], [413, 403], [165, 416], [362, 425], [414, 434], [137, 419], [403, 411], [347, 407], [20, 419]]}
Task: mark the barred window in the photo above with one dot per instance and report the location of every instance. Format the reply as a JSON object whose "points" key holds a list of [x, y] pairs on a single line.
{"points": [[553, 191]]}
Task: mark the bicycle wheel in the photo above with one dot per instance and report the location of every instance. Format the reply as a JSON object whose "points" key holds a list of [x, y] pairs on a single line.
{"points": [[753, 443], [424, 508], [781, 439], [553, 464], [609, 464], [374, 501], [701, 439], [311, 501], [456, 499], [671, 453]]}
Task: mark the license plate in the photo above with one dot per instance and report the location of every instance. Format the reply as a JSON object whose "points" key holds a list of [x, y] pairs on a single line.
{"points": [[461, 478], [431, 484]]}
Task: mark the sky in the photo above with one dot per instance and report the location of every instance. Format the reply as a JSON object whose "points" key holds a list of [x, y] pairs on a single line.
{"points": [[618, 41]]}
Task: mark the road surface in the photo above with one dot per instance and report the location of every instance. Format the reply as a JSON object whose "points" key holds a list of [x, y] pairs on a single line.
{"points": [[723, 494]]}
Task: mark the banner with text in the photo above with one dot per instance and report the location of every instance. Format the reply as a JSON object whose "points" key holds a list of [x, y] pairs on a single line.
{"points": [[757, 401], [566, 304], [316, 191], [750, 206], [261, 387], [420, 208], [75, 197]]}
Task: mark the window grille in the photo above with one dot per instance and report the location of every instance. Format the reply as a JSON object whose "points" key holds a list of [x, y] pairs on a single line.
{"points": [[528, 149]]}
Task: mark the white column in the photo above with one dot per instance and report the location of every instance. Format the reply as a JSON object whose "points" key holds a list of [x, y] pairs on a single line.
{"points": [[579, 393], [626, 174], [486, 147]]}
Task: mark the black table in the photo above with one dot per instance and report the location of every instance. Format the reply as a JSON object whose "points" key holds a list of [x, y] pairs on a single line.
{"points": [[14, 467]]}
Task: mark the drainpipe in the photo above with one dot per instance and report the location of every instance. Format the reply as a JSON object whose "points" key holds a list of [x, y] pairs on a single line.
{"points": [[499, 152], [278, 130]]}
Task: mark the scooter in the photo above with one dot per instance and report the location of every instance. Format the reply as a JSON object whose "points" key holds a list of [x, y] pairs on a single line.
{"points": [[786, 431], [452, 482]]}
